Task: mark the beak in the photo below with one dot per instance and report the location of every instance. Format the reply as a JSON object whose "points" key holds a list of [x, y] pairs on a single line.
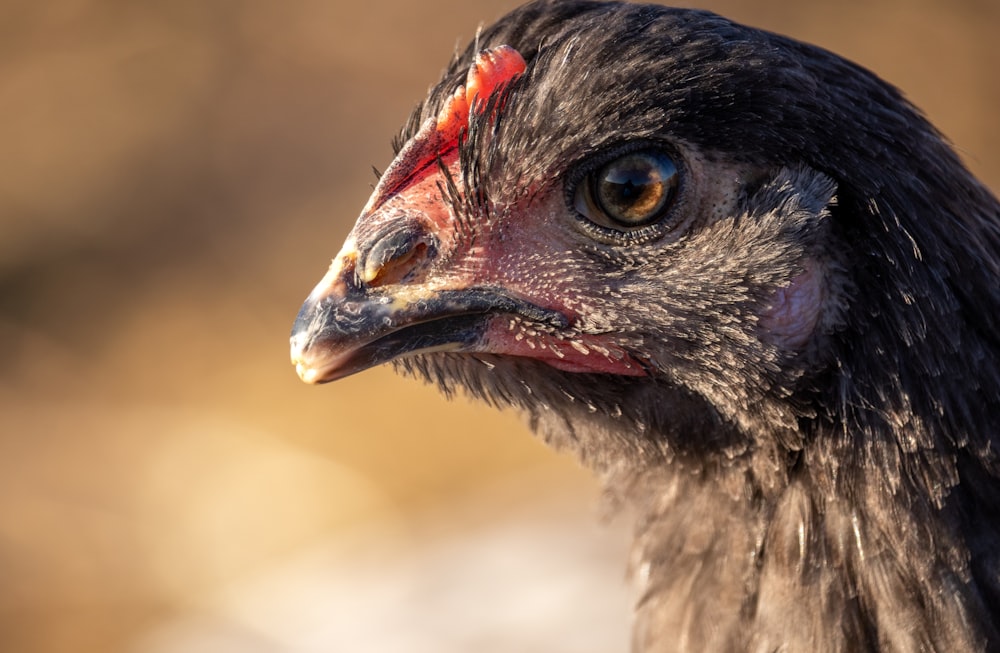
{"points": [[346, 325]]}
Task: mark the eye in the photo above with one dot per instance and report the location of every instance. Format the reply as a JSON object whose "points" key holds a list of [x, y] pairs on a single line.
{"points": [[630, 191]]}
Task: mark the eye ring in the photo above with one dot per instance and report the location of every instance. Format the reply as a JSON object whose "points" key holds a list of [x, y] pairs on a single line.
{"points": [[627, 195]]}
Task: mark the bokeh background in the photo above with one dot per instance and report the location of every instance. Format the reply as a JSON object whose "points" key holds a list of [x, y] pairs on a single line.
{"points": [[174, 177]]}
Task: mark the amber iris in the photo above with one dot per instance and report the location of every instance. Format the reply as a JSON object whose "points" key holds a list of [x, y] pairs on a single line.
{"points": [[632, 190]]}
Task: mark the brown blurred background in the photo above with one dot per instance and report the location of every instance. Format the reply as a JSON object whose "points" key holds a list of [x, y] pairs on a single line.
{"points": [[174, 178]]}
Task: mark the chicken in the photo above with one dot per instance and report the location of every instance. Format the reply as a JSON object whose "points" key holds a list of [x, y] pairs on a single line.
{"points": [[744, 279]]}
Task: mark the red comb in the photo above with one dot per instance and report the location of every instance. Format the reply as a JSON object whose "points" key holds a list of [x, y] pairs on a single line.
{"points": [[491, 69]]}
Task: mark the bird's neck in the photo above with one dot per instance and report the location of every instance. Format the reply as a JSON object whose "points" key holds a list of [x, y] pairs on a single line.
{"points": [[722, 564]]}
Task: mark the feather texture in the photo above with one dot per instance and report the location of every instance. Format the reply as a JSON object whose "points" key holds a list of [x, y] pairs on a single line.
{"points": [[832, 487]]}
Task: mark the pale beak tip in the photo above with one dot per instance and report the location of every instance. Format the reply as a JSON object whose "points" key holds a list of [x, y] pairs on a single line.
{"points": [[307, 374]]}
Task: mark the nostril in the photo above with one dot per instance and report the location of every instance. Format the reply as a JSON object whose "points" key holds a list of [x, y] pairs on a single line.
{"points": [[395, 256], [396, 268]]}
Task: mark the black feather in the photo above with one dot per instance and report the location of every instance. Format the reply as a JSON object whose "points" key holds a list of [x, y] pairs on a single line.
{"points": [[841, 498]]}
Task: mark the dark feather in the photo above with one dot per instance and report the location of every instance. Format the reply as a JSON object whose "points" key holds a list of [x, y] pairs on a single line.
{"points": [[851, 536], [841, 497]]}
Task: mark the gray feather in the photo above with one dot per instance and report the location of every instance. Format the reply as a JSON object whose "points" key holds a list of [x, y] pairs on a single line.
{"points": [[844, 497]]}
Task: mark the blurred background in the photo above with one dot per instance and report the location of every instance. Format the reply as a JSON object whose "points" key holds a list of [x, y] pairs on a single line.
{"points": [[174, 177]]}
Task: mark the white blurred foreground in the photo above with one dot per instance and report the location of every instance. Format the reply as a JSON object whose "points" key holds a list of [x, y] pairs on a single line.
{"points": [[473, 576]]}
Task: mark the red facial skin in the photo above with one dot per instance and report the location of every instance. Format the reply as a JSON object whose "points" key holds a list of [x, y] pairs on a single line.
{"points": [[512, 253]]}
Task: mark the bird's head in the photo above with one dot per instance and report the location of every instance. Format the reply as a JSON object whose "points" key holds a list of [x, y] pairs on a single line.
{"points": [[619, 210]]}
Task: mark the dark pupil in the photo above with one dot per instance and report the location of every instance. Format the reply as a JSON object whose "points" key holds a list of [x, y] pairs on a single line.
{"points": [[635, 188]]}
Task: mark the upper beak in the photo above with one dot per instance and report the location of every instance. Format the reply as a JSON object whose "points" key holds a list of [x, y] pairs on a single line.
{"points": [[347, 324], [338, 332]]}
